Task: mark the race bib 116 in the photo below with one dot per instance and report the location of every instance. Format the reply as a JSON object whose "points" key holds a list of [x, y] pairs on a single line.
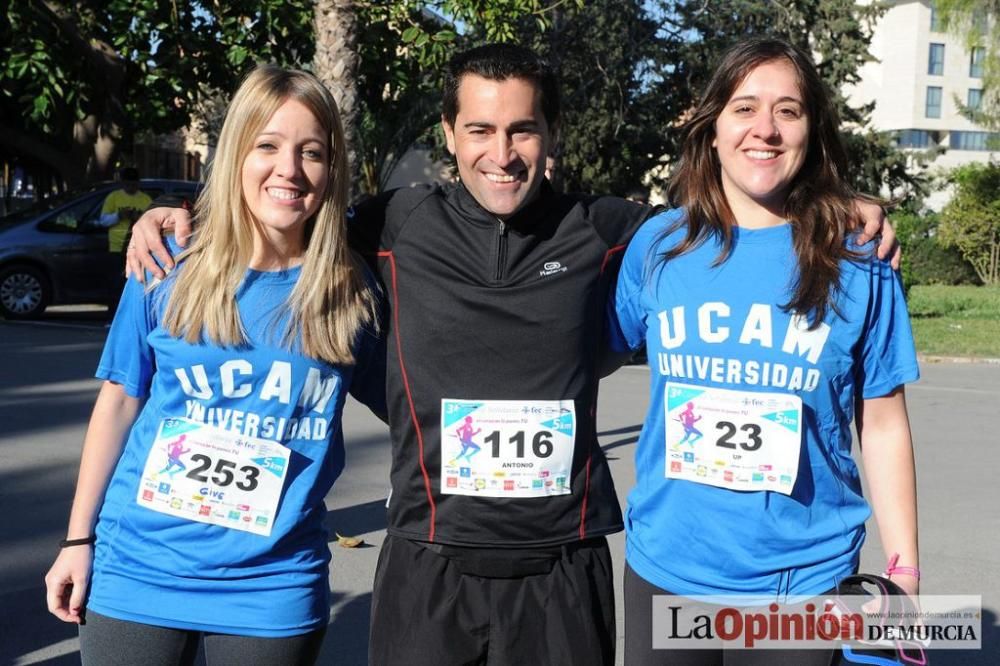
{"points": [[507, 448]]}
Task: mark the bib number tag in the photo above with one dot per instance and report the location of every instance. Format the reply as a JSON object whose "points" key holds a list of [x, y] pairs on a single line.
{"points": [[507, 448], [200, 473], [741, 440]]}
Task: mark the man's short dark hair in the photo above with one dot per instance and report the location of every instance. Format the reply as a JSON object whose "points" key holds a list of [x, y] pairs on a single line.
{"points": [[499, 62], [128, 174]]}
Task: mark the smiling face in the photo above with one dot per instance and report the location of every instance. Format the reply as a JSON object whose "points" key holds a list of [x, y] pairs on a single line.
{"points": [[762, 137], [284, 177], [500, 140]]}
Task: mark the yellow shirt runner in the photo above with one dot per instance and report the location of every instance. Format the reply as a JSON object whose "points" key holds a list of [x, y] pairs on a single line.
{"points": [[128, 207]]}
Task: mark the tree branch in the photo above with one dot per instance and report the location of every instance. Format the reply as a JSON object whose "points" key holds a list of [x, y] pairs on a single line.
{"points": [[99, 54], [19, 142]]}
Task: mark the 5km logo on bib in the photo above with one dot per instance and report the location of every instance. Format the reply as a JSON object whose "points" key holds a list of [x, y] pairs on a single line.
{"points": [[507, 448]]}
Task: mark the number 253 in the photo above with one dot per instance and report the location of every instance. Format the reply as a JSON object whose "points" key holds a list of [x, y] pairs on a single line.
{"points": [[223, 475]]}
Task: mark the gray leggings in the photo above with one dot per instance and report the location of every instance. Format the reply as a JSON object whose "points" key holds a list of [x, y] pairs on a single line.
{"points": [[105, 641]]}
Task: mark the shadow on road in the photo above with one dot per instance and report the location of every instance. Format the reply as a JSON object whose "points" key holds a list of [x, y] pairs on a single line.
{"points": [[358, 519], [26, 627], [346, 639], [624, 441], [46, 384], [36, 502]]}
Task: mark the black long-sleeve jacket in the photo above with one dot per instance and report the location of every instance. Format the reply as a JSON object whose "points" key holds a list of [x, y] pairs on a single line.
{"points": [[486, 309]]}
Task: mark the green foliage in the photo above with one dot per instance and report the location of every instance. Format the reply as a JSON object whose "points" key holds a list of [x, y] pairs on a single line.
{"points": [[398, 86], [132, 65], [496, 20], [614, 115], [951, 336], [404, 46], [977, 22], [135, 66], [430, 39], [876, 166], [629, 69], [40, 89], [971, 220], [925, 261], [967, 302], [837, 32], [955, 320]]}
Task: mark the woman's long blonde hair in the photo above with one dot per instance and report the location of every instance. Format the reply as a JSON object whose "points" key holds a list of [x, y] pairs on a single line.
{"points": [[330, 303]]}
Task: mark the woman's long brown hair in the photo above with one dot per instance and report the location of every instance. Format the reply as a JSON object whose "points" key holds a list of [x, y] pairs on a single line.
{"points": [[820, 204]]}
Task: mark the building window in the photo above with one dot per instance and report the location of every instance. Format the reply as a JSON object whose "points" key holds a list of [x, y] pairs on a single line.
{"points": [[932, 109], [935, 62], [935, 20], [914, 138], [972, 140], [976, 59], [975, 99]]}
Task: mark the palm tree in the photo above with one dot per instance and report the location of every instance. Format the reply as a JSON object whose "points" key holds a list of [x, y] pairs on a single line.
{"points": [[336, 64]]}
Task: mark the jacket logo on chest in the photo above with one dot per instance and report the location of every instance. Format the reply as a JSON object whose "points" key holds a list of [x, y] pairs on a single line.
{"points": [[551, 268]]}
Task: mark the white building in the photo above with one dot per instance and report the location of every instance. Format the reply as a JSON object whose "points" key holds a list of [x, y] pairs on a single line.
{"points": [[918, 73]]}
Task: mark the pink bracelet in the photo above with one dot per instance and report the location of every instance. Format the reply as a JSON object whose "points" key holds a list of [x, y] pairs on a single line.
{"points": [[891, 568]]}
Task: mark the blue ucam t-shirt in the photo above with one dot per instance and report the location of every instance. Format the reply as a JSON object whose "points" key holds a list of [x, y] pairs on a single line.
{"points": [[160, 569], [722, 327]]}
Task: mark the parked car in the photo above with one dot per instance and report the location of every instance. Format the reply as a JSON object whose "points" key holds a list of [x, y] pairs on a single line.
{"points": [[55, 253]]}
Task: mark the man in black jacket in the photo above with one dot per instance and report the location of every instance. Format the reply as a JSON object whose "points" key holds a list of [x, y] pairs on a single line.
{"points": [[501, 495]]}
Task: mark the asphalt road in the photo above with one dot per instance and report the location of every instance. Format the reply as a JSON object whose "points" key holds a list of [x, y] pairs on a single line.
{"points": [[46, 392]]}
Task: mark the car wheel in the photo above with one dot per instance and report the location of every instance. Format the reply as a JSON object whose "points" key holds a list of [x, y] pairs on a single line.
{"points": [[24, 292]]}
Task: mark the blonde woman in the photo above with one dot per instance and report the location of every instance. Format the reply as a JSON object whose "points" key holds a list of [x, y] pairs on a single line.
{"points": [[216, 435]]}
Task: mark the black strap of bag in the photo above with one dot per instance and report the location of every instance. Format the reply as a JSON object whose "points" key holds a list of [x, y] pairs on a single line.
{"points": [[894, 606]]}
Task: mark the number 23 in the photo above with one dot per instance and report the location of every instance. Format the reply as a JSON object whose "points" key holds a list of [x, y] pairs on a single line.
{"points": [[751, 429]]}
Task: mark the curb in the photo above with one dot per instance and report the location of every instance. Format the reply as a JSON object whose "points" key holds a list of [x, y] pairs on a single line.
{"points": [[96, 326], [922, 358], [930, 358]]}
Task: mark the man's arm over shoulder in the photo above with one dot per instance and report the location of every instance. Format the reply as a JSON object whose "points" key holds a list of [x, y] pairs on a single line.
{"points": [[374, 222], [616, 220], [366, 223], [172, 201], [146, 251]]}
